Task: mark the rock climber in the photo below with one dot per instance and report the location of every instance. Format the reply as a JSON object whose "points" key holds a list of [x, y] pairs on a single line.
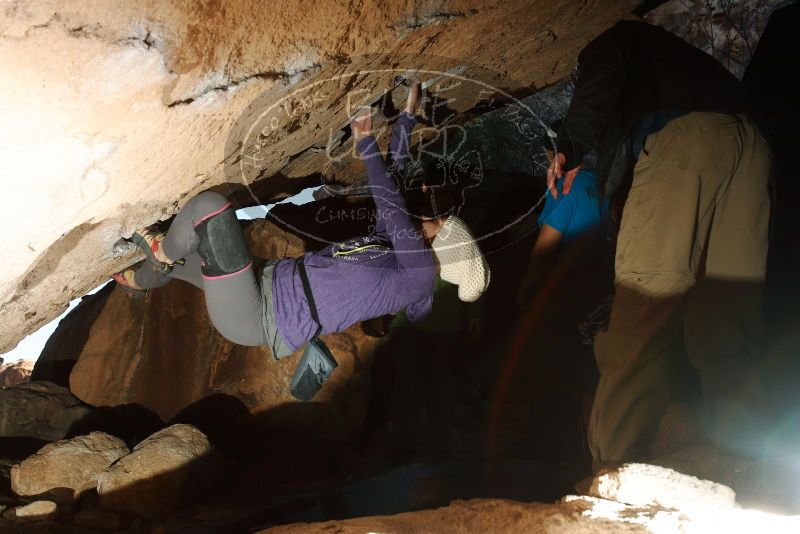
{"points": [[692, 245], [361, 278]]}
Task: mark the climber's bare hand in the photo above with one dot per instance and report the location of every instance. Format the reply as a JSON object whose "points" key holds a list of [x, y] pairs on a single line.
{"points": [[362, 123], [412, 102]]}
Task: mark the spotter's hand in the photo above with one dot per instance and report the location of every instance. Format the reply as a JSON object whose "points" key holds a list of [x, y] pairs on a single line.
{"points": [[555, 170]]}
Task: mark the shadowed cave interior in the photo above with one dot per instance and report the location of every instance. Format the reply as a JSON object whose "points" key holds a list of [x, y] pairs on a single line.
{"points": [[477, 408]]}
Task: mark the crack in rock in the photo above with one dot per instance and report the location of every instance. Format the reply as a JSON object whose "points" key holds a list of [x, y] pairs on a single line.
{"points": [[224, 87], [148, 41], [433, 18]]}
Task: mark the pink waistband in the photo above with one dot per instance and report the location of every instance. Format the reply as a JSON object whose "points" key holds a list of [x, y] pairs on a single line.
{"points": [[215, 212], [220, 277]]}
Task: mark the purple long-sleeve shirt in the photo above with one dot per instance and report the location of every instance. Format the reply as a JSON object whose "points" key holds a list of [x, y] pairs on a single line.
{"points": [[362, 278]]}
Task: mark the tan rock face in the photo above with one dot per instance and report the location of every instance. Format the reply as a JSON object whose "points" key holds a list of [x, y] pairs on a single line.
{"points": [[114, 114], [163, 472], [36, 511], [480, 515], [66, 469], [635, 498], [42, 410], [650, 485], [15, 373]]}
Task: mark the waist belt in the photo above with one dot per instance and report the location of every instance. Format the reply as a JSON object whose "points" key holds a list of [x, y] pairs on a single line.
{"points": [[312, 306]]}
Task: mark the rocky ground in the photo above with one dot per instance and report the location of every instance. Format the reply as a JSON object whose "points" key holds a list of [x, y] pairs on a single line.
{"points": [[94, 482]]}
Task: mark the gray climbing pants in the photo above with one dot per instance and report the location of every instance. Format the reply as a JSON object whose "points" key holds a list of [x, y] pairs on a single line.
{"points": [[238, 306]]}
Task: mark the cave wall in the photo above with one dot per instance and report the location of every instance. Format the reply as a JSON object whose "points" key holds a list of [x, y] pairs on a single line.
{"points": [[115, 113]]}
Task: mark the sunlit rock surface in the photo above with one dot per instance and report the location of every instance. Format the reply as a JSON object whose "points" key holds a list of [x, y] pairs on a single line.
{"points": [[114, 114], [15, 373], [35, 511], [66, 469], [582, 514], [648, 485], [162, 472]]}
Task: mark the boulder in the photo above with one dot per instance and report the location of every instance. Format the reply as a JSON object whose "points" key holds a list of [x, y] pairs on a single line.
{"points": [[36, 511], [66, 469], [572, 515], [162, 473], [770, 482], [487, 516], [15, 373], [651, 485], [35, 413]]}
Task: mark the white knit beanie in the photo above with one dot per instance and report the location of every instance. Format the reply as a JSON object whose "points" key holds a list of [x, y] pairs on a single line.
{"points": [[460, 259]]}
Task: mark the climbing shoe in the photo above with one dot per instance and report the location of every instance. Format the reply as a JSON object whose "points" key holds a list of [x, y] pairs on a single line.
{"points": [[149, 240], [125, 280]]}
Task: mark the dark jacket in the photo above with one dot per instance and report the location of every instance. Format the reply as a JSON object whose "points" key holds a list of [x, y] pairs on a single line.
{"points": [[630, 71]]}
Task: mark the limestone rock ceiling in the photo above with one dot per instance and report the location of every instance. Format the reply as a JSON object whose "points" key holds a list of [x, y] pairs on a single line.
{"points": [[114, 113]]}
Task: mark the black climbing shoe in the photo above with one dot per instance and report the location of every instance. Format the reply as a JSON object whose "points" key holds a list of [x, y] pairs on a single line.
{"points": [[124, 279], [149, 240]]}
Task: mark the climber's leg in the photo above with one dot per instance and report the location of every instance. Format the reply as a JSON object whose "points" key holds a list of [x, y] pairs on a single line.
{"points": [[181, 238], [235, 306], [233, 296], [180, 243], [189, 271], [207, 235]]}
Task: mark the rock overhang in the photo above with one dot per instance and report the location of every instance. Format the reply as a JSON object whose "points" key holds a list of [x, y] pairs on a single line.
{"points": [[115, 115]]}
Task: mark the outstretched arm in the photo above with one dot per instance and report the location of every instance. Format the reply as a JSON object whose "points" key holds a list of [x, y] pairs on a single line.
{"points": [[399, 144], [399, 149], [392, 217], [604, 66], [393, 220]]}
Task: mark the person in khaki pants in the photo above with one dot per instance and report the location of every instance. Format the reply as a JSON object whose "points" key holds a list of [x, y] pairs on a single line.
{"points": [[692, 246]]}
